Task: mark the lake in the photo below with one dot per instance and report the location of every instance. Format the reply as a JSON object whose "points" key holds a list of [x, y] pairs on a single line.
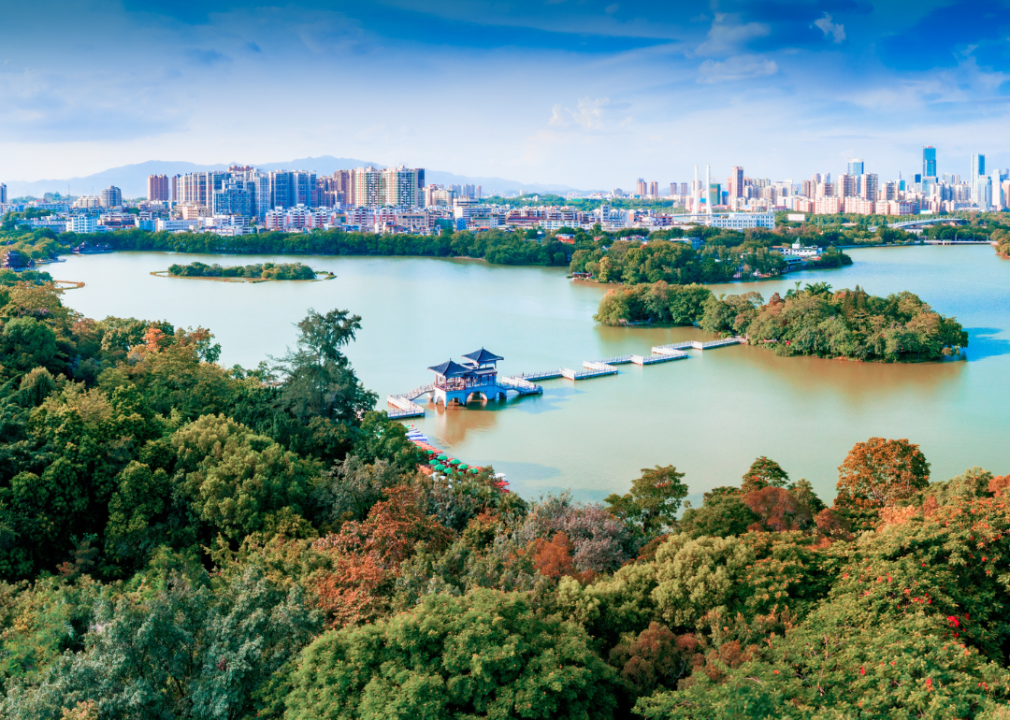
{"points": [[709, 415]]}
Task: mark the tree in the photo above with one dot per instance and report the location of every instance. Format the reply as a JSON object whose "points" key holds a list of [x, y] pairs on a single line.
{"points": [[237, 481], [764, 473], [141, 496], [485, 655], [318, 378], [28, 343], [880, 472], [654, 500], [183, 651], [722, 514]]}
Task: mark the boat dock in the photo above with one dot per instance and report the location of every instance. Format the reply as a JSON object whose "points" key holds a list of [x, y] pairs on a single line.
{"points": [[404, 406]]}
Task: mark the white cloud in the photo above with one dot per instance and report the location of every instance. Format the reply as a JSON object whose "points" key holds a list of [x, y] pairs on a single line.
{"points": [[741, 67], [836, 31], [727, 35], [588, 116]]}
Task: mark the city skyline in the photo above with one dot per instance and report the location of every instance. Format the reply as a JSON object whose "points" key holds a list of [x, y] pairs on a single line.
{"points": [[582, 94]]}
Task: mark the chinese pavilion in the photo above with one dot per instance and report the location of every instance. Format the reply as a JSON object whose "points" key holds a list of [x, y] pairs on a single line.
{"points": [[477, 375]]}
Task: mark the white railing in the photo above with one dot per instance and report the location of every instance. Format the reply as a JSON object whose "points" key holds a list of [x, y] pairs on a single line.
{"points": [[619, 360], [519, 383], [417, 392], [544, 375]]}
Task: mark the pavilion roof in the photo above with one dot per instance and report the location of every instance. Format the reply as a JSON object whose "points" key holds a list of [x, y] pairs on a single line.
{"points": [[451, 369], [482, 356]]}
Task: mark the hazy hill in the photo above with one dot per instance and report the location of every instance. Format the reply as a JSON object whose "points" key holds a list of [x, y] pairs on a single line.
{"points": [[132, 179]]}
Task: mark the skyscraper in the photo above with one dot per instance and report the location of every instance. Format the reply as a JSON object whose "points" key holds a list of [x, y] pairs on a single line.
{"points": [[3, 194], [929, 161], [977, 166], [157, 188], [978, 192], [736, 182], [654, 189], [641, 189], [855, 167]]}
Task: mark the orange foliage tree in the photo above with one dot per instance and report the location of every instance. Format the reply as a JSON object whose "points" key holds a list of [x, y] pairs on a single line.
{"points": [[881, 472], [370, 553]]}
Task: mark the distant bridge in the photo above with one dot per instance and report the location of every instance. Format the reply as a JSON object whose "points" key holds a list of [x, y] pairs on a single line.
{"points": [[921, 222]]}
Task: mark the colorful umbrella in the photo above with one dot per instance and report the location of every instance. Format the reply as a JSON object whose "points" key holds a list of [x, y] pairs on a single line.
{"points": [[443, 456], [454, 461], [463, 466]]}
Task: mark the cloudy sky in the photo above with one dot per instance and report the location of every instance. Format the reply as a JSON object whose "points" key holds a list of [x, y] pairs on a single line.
{"points": [[588, 93]]}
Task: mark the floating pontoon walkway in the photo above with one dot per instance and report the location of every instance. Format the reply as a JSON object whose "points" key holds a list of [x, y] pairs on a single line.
{"points": [[524, 383]]}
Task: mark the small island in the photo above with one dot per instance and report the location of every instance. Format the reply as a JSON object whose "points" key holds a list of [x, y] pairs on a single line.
{"points": [[246, 273], [848, 324]]}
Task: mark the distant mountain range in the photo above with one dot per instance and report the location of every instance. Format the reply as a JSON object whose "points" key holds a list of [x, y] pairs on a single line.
{"points": [[132, 179]]}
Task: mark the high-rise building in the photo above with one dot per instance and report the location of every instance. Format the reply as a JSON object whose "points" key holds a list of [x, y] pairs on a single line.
{"points": [[198, 188], [868, 186], [3, 194], [234, 198], [654, 190], [736, 182], [929, 161], [157, 188], [112, 197], [847, 185], [977, 189], [978, 167], [641, 189], [714, 195], [399, 186], [855, 167]]}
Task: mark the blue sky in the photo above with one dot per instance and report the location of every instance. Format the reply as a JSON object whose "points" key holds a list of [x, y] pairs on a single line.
{"points": [[588, 93]]}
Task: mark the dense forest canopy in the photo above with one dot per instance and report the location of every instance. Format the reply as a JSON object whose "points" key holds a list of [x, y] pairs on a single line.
{"points": [[184, 540]]}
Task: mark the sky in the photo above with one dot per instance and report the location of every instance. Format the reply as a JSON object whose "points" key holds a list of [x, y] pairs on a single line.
{"points": [[588, 93]]}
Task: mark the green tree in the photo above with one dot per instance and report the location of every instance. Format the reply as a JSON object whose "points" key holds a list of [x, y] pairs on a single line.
{"points": [[764, 473], [238, 482], [654, 500], [186, 650], [28, 343], [318, 378], [485, 655]]}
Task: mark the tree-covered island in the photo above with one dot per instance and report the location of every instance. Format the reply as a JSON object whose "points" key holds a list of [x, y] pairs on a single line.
{"points": [[264, 271], [811, 321]]}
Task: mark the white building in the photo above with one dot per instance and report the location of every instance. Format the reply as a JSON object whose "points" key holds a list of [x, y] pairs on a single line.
{"points": [[741, 221], [178, 225], [799, 251], [82, 224]]}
